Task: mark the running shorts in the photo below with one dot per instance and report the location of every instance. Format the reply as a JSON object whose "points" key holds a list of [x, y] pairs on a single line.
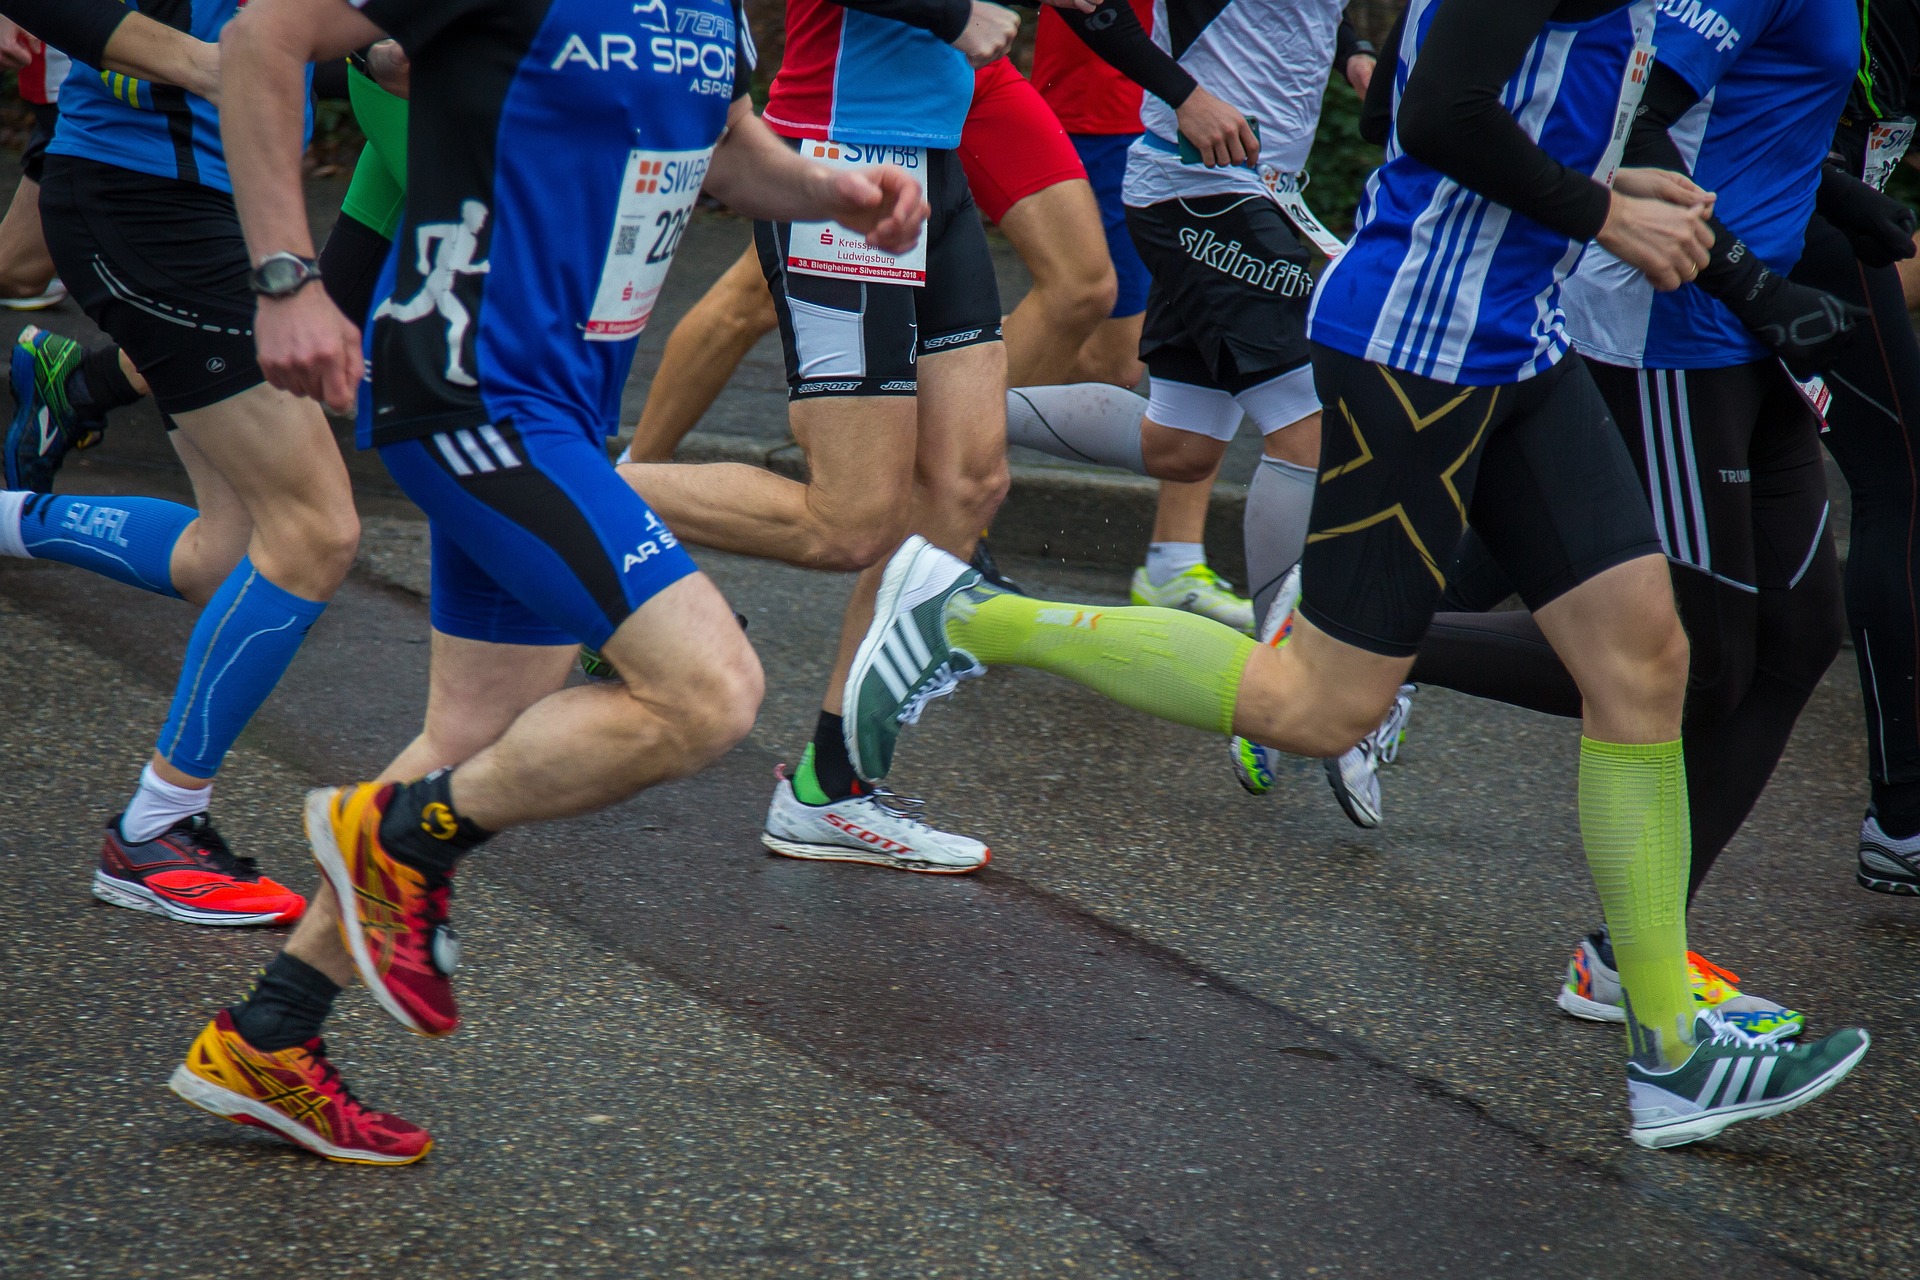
{"points": [[1105, 157], [46, 117], [1012, 145], [536, 538], [1732, 464], [861, 338], [1228, 305], [161, 266], [1537, 467]]}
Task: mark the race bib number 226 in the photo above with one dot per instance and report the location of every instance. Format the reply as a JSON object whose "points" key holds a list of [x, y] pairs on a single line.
{"points": [[656, 199]]}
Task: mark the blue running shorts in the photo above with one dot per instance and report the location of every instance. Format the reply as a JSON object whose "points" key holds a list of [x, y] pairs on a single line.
{"points": [[536, 539], [1105, 156]]}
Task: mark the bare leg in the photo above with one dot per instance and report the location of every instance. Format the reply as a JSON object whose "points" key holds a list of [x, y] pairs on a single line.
{"points": [[1058, 234], [25, 266], [701, 354], [1111, 353]]}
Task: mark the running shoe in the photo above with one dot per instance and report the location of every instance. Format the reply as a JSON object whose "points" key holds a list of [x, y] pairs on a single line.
{"points": [[989, 569], [51, 296], [1592, 991], [397, 931], [45, 425], [905, 661], [879, 828], [1196, 590], [1887, 865], [594, 665], [1731, 1077], [188, 873], [1255, 766], [1355, 776], [296, 1094]]}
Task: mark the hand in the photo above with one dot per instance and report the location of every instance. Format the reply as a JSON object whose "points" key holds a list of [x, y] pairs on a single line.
{"points": [[307, 347], [1879, 228], [1220, 133], [989, 34], [1664, 185], [1360, 72], [16, 46], [392, 69], [1668, 243], [1808, 328], [203, 71], [1084, 6], [883, 203]]}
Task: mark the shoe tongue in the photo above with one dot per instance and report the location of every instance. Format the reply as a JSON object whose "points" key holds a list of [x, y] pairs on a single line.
{"points": [[1603, 943]]}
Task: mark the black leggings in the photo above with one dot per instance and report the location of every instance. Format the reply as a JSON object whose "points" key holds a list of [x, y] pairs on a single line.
{"points": [[1874, 386], [1732, 464]]}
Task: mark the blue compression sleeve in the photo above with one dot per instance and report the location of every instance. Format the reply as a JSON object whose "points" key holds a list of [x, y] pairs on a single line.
{"points": [[246, 637], [130, 540]]}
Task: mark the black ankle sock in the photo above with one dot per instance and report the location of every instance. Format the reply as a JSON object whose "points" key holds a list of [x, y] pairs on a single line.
{"points": [[288, 1003], [99, 384], [1897, 809], [421, 829], [831, 767]]}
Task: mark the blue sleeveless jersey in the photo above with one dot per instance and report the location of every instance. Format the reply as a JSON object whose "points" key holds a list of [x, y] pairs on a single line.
{"points": [[1444, 283], [149, 128], [1774, 75], [555, 148]]}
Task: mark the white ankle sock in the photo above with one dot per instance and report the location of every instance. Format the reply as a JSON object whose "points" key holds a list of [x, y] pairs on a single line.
{"points": [[157, 805], [13, 503], [1166, 560]]}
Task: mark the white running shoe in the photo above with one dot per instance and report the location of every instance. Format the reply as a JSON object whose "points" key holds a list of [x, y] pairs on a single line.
{"points": [[1197, 589], [54, 294], [1255, 766], [1355, 776], [874, 828]]}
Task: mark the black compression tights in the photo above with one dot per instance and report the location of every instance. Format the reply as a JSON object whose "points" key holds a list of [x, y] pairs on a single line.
{"points": [[1757, 655], [1875, 386]]}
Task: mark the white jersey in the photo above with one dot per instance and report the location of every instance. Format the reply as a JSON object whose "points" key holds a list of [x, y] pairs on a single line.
{"points": [[1269, 58]]}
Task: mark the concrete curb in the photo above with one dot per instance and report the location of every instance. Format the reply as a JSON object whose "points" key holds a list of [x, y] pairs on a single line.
{"points": [[1057, 513]]}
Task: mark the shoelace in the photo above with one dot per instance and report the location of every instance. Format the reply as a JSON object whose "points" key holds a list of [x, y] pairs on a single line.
{"points": [[1387, 738], [906, 809], [206, 840], [330, 1077], [940, 682]]}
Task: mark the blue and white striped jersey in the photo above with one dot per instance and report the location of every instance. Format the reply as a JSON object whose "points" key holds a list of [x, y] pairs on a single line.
{"points": [[1443, 282]]}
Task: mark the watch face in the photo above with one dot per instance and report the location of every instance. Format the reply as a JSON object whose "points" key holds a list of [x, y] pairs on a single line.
{"points": [[279, 275]]}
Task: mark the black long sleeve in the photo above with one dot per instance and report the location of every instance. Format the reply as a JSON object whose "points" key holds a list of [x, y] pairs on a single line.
{"points": [[1348, 44], [1451, 116], [944, 18], [1113, 32], [78, 28], [1376, 113]]}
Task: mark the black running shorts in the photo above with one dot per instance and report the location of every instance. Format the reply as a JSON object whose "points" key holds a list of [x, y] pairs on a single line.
{"points": [[1406, 463], [161, 266], [1228, 304], [859, 338]]}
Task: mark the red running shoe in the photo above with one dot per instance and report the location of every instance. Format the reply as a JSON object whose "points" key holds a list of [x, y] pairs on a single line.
{"points": [[393, 922], [295, 1093], [188, 873]]}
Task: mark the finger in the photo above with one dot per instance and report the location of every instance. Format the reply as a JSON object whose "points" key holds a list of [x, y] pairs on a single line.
{"points": [[1249, 144]]}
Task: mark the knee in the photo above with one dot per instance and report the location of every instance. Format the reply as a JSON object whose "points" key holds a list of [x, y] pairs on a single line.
{"points": [[1180, 456], [1653, 668], [716, 704], [982, 487], [852, 544], [332, 540]]}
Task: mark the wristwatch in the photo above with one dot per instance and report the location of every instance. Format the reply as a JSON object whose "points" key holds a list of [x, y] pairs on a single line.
{"points": [[281, 275]]}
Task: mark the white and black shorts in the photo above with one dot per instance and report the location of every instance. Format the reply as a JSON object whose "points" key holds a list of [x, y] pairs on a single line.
{"points": [[858, 338]]}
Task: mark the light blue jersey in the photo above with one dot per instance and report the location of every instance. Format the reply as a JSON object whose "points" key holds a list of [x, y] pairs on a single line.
{"points": [[1773, 75], [1442, 282]]}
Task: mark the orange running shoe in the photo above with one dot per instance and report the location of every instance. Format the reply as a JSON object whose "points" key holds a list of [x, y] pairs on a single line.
{"points": [[188, 873], [393, 922], [296, 1094]]}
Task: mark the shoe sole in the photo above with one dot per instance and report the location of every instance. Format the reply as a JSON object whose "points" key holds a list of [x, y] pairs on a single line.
{"points": [[1358, 816], [137, 897], [1701, 1127], [1879, 884], [1588, 1010], [240, 1109], [1250, 784], [892, 583], [333, 865], [871, 857]]}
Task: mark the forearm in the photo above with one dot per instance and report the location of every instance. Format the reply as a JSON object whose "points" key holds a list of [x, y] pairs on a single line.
{"points": [[944, 18], [156, 52], [79, 28], [1114, 33], [755, 173]]}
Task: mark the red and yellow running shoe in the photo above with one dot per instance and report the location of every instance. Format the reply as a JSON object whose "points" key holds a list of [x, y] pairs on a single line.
{"points": [[296, 1094], [393, 921]]}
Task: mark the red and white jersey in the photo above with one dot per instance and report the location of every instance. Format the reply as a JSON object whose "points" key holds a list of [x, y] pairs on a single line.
{"points": [[40, 79]]}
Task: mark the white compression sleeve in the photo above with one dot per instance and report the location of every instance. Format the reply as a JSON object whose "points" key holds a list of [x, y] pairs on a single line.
{"points": [[1093, 422], [1279, 503]]}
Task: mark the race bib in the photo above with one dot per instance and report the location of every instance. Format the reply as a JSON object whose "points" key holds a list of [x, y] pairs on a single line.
{"points": [[656, 199], [1816, 393], [829, 249], [1887, 144], [1289, 192], [1633, 87]]}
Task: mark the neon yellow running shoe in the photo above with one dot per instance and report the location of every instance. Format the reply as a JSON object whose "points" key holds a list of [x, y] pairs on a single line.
{"points": [[1200, 590]]}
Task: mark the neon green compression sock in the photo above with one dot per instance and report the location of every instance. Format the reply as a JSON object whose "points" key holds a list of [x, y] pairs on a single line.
{"points": [[1633, 820], [1174, 665]]}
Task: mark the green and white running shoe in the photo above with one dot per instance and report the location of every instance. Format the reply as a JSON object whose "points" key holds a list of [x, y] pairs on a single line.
{"points": [[1255, 767], [905, 661], [1355, 776], [1197, 590], [1731, 1077]]}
